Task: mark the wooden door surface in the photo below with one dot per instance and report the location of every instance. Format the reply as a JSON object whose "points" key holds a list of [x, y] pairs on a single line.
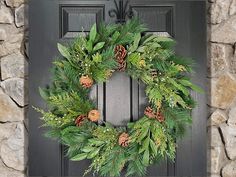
{"points": [[121, 99]]}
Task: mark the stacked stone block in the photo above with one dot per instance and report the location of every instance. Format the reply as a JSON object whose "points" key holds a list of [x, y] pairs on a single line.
{"points": [[222, 88], [13, 88]]}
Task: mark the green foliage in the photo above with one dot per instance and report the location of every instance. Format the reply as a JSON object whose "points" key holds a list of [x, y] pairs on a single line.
{"points": [[174, 120], [93, 33], [152, 139], [63, 50], [151, 60]]}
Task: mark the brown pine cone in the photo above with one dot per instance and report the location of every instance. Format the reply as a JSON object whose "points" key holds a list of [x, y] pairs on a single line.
{"points": [[79, 120], [94, 115], [122, 66], [86, 81], [120, 54], [160, 117], [124, 139], [109, 73], [149, 112], [154, 73]]}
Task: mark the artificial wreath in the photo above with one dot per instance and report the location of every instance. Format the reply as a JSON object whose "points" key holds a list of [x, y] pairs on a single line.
{"points": [[74, 119]]}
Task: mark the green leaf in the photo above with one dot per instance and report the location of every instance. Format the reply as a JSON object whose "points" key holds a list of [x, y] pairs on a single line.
{"points": [[88, 149], [153, 147], [149, 38], [89, 46], [156, 45], [93, 153], [146, 142], [180, 87], [191, 85], [141, 49], [79, 157], [197, 89], [145, 145], [96, 142], [43, 94], [134, 58], [63, 50], [98, 46], [146, 158], [115, 36], [137, 38], [93, 33], [163, 39], [144, 132]]}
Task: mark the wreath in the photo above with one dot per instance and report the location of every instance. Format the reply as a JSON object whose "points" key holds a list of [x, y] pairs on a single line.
{"points": [[75, 121]]}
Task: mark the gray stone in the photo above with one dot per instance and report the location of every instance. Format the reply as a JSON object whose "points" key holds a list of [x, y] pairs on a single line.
{"points": [[6, 130], [229, 170], [219, 11], [223, 91], [214, 137], [17, 89], [7, 172], [217, 159], [232, 117], [14, 65], [220, 53], [229, 135], [9, 111], [225, 32], [12, 150], [218, 117], [8, 48], [5, 15], [13, 40], [15, 3], [3, 34], [13, 34], [232, 9], [21, 14], [232, 61]]}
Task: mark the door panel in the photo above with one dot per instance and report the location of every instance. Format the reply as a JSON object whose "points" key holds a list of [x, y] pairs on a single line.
{"points": [[79, 17], [162, 17], [44, 154], [121, 99]]}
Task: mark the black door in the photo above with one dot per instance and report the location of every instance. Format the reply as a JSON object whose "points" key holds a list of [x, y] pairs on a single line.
{"points": [[53, 21]]}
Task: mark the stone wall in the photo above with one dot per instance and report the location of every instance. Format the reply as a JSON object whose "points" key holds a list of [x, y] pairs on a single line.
{"points": [[13, 88], [221, 75], [222, 96]]}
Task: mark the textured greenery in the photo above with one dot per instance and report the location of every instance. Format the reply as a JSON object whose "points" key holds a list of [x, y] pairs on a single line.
{"points": [[168, 92]]}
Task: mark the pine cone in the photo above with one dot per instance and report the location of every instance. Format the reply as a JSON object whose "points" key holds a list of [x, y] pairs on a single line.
{"points": [[109, 73], [154, 73], [149, 112], [86, 81], [122, 66], [79, 120], [160, 117], [120, 54], [124, 139], [94, 115]]}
